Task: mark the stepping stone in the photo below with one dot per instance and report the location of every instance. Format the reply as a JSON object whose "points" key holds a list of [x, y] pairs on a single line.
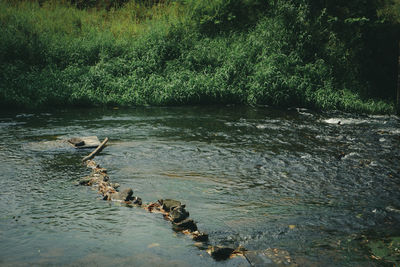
{"points": [[84, 142], [187, 224]]}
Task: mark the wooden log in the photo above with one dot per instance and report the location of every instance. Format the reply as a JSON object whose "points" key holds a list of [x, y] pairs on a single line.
{"points": [[96, 151]]}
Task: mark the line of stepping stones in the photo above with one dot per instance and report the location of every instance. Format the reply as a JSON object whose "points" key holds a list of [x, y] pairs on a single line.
{"points": [[172, 210]]}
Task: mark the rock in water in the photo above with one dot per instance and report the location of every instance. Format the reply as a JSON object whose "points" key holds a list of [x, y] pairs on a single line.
{"points": [[76, 141], [115, 185], [153, 206], [178, 214], [127, 194], [124, 195], [105, 178], [85, 181], [168, 204], [220, 253], [187, 224], [199, 237], [137, 201]]}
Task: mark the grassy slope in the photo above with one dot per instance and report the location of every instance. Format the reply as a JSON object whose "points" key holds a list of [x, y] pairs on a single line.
{"points": [[173, 54]]}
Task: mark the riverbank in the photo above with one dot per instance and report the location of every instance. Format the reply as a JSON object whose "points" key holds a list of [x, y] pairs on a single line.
{"points": [[185, 53]]}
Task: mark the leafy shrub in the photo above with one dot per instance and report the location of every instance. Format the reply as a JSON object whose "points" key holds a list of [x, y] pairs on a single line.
{"points": [[282, 53]]}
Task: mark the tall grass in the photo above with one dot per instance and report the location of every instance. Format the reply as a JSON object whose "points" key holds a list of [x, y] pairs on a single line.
{"points": [[174, 53]]}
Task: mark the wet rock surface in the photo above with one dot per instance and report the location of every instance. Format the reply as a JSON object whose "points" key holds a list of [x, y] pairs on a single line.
{"points": [[199, 237], [178, 214], [169, 204], [127, 194], [152, 207], [137, 201], [220, 253], [187, 224], [124, 195]]}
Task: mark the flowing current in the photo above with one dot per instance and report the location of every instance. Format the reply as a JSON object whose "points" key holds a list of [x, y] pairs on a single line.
{"points": [[316, 185]]}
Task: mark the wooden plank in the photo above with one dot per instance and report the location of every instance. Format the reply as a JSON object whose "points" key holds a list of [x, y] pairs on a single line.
{"points": [[89, 142], [97, 150]]}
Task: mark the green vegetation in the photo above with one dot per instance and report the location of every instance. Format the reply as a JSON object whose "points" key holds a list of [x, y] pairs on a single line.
{"points": [[339, 55]]}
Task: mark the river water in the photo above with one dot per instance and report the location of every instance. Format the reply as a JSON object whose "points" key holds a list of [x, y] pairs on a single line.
{"points": [[294, 180]]}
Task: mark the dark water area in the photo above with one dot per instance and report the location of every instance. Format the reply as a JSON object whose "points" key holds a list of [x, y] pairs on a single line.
{"points": [[294, 180]]}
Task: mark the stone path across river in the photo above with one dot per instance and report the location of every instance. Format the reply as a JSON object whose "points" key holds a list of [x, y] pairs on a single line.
{"points": [[176, 213]]}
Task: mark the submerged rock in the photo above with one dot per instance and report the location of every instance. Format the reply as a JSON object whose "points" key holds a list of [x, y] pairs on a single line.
{"points": [[169, 204], [85, 181], [270, 257], [258, 259], [178, 214], [220, 253], [187, 224]]}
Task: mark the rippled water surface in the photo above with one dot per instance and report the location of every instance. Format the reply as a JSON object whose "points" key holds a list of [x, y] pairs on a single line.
{"points": [[316, 185]]}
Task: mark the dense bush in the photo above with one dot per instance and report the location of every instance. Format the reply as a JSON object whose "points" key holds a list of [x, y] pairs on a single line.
{"points": [[283, 53]]}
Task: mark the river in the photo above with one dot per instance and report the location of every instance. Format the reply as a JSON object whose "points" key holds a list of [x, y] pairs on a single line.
{"points": [[319, 186]]}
